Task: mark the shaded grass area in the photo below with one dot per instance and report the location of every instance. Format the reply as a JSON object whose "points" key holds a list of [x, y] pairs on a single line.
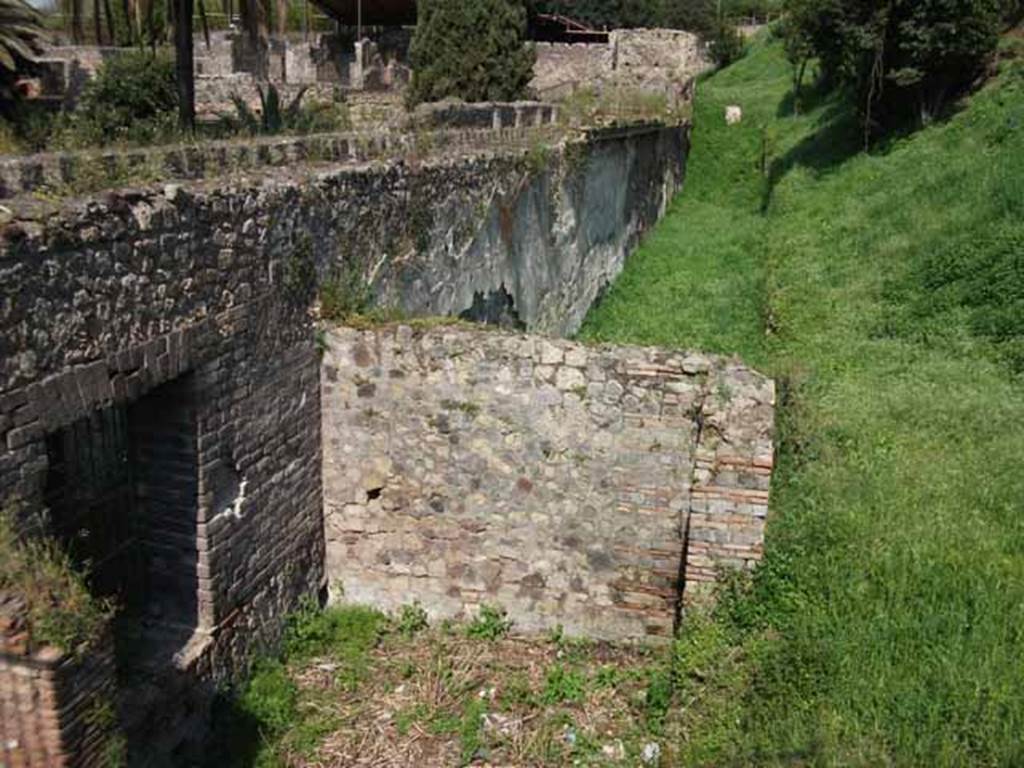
{"points": [[353, 687], [884, 292]]}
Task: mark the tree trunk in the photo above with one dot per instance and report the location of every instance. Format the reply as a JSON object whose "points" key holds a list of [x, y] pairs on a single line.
{"points": [[798, 85], [184, 65], [111, 31], [129, 20], [282, 17], [77, 26]]}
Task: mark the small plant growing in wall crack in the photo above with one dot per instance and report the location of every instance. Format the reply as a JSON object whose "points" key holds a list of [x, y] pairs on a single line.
{"points": [[300, 272], [344, 293], [470, 409], [320, 342], [537, 158], [421, 218]]}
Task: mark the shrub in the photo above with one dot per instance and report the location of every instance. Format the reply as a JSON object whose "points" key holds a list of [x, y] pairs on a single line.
{"points": [[132, 98], [345, 633], [725, 44], [411, 620], [270, 698], [470, 49], [563, 685]]}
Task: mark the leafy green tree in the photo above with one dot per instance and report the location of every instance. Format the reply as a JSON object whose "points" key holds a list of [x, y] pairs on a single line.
{"points": [[798, 33], [470, 49], [904, 61]]}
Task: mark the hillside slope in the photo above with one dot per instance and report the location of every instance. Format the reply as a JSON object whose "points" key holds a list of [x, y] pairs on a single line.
{"points": [[886, 292]]}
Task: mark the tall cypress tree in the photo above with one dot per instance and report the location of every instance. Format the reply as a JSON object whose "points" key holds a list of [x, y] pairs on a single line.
{"points": [[470, 49]]}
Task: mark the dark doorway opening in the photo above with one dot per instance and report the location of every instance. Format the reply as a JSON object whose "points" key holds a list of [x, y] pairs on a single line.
{"points": [[122, 490]]}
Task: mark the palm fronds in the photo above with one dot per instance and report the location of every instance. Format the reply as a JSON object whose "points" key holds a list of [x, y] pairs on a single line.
{"points": [[21, 32]]}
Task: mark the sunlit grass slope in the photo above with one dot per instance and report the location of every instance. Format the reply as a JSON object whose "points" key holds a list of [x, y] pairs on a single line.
{"points": [[885, 291]]}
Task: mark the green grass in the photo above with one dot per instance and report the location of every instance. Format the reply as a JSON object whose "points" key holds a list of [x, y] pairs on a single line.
{"points": [[885, 291]]}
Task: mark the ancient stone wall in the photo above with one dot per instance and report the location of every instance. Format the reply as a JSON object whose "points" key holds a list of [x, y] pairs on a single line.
{"points": [[659, 60], [104, 302], [486, 114], [67, 173], [561, 68], [535, 231], [585, 487], [182, 313], [530, 240]]}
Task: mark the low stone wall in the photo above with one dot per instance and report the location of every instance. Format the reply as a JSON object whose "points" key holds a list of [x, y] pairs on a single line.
{"points": [[574, 486], [56, 711], [65, 173], [487, 114]]}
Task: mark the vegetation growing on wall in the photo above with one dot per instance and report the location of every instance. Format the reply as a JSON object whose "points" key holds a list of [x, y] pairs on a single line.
{"points": [[44, 600], [470, 49]]}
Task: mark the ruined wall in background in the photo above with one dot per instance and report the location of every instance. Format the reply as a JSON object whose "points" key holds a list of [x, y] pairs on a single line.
{"points": [[653, 60], [579, 486]]}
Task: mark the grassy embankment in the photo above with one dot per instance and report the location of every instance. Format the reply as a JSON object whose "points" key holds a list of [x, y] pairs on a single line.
{"points": [[885, 291]]}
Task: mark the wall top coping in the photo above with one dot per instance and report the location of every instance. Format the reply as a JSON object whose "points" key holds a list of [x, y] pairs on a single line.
{"points": [[667, 360], [31, 215]]}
